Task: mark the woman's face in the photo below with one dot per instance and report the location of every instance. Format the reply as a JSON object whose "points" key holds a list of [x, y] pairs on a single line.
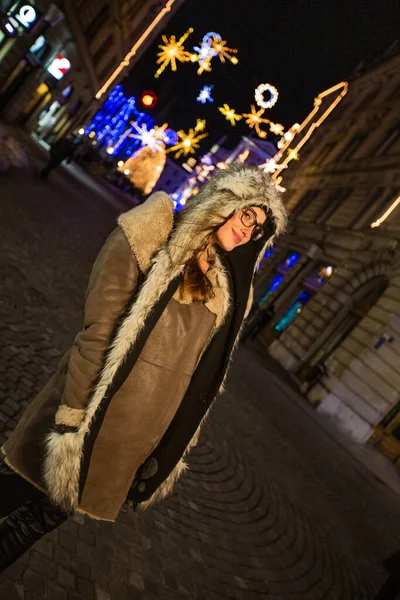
{"points": [[234, 233]]}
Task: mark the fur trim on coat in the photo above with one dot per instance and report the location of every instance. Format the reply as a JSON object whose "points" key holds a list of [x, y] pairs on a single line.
{"points": [[161, 253]]}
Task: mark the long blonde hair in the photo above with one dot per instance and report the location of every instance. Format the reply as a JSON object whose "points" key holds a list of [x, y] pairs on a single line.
{"points": [[195, 282]]}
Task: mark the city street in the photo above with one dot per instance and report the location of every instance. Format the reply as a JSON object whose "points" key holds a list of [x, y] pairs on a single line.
{"points": [[273, 507]]}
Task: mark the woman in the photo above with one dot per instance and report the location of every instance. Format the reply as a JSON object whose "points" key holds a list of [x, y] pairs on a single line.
{"points": [[165, 302]]}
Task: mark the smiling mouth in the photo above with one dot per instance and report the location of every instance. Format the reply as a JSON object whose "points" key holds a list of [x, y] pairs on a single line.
{"points": [[236, 237]]}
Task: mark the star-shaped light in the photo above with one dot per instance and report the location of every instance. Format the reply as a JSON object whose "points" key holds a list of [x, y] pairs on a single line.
{"points": [[221, 49], [253, 119], [171, 51], [229, 114], [293, 154], [276, 128], [188, 144], [205, 94], [270, 166], [153, 138], [200, 125]]}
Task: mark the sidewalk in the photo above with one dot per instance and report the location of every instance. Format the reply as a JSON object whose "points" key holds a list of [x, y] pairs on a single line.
{"points": [[38, 155], [374, 465]]}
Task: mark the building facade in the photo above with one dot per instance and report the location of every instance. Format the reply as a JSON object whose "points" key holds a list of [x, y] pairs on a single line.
{"points": [[331, 288], [89, 39]]}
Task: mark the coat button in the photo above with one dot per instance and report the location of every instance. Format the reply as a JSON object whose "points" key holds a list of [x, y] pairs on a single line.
{"points": [[149, 468], [134, 484], [142, 487]]}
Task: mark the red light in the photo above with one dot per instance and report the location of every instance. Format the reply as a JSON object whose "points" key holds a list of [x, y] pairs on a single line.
{"points": [[149, 99]]}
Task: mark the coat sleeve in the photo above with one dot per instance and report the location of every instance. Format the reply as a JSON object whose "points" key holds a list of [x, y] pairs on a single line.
{"points": [[113, 280]]}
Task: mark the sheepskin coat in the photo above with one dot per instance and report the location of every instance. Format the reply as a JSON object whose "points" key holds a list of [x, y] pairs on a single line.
{"points": [[138, 262]]}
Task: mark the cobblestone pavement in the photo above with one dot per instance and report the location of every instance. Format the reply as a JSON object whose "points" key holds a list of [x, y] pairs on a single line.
{"points": [[272, 507]]}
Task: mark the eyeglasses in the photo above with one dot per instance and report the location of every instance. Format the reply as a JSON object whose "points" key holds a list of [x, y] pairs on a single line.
{"points": [[249, 219]]}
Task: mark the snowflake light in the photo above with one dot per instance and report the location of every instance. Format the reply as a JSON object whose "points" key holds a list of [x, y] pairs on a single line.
{"points": [[221, 49], [153, 138], [253, 119], [205, 94], [188, 144], [200, 125], [171, 51], [212, 45], [270, 166], [276, 128], [229, 114], [259, 95]]}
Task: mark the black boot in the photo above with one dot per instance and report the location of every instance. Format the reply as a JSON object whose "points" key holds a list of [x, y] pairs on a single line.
{"points": [[389, 590], [391, 587], [25, 526]]}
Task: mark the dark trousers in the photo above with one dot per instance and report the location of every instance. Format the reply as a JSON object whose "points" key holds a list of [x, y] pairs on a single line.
{"points": [[28, 513], [391, 588]]}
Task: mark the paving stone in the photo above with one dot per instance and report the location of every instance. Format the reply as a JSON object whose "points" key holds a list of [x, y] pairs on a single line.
{"points": [[66, 579], [85, 588], [55, 592], [34, 581]]}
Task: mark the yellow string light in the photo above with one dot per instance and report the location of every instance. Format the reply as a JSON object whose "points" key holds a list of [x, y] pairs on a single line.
{"points": [[229, 114], [385, 215], [188, 144], [125, 62], [171, 51], [296, 129]]}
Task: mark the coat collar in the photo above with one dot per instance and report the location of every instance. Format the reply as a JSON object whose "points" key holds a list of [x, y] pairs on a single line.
{"points": [[147, 227]]}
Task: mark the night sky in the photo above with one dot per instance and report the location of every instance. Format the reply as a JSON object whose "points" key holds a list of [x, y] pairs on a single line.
{"points": [[300, 46]]}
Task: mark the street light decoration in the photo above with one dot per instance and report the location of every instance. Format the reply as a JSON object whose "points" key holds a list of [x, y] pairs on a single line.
{"points": [[205, 94], [188, 144], [172, 51], [221, 49], [200, 125], [259, 95], [229, 114], [211, 46], [153, 138], [254, 119]]}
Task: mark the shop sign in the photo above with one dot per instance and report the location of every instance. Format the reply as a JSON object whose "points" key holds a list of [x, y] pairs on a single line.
{"points": [[23, 14], [59, 66]]}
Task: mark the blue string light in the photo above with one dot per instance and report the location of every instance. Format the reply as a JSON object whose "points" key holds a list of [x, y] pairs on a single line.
{"points": [[112, 122]]}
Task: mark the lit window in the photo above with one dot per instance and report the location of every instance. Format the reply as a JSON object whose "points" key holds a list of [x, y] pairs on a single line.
{"points": [[277, 280], [296, 308]]}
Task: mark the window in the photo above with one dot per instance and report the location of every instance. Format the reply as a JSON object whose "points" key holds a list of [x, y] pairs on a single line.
{"points": [[306, 199], [108, 68], [290, 260], [102, 51], [366, 101], [373, 199], [323, 154], [315, 280], [352, 146], [268, 253], [390, 139], [276, 282], [98, 22], [334, 202], [297, 306]]}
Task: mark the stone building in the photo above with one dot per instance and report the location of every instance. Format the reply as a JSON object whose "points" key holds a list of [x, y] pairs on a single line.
{"points": [[93, 37], [331, 288]]}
